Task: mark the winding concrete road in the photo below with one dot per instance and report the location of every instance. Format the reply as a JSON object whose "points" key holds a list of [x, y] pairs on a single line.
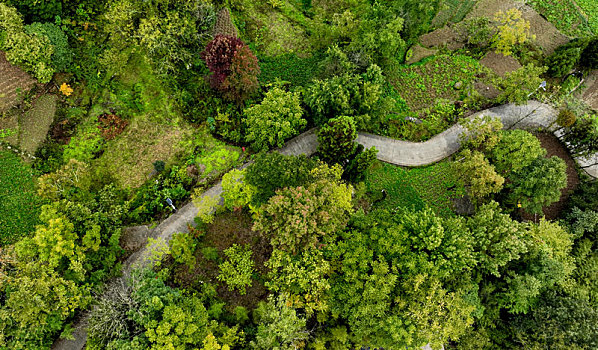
{"points": [[530, 115]]}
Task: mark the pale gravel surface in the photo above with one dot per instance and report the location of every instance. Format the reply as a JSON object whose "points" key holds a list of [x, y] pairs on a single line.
{"points": [[531, 115]]}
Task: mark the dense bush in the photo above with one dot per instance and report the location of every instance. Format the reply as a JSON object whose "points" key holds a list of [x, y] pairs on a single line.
{"points": [[347, 94], [233, 66], [33, 51], [565, 58], [277, 118], [336, 140], [589, 56], [273, 171], [62, 55]]}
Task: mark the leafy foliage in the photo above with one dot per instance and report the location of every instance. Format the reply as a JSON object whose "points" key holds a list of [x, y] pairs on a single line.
{"points": [[20, 205], [539, 184], [235, 192], [516, 150], [518, 85], [236, 271], [277, 118], [298, 218], [31, 51], [336, 140]]}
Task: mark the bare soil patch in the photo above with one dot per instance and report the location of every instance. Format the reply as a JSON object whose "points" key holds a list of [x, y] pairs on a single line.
{"points": [[443, 37], [499, 63], [419, 52], [554, 147], [486, 90], [590, 94], [14, 84]]}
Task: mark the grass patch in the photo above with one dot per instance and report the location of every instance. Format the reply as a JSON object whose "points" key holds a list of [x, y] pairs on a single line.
{"points": [[35, 123], [129, 158], [415, 188], [452, 11], [590, 9], [423, 83], [565, 15], [290, 67], [19, 204]]}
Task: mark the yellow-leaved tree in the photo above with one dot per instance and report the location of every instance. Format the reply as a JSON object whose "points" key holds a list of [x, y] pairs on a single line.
{"points": [[512, 30]]}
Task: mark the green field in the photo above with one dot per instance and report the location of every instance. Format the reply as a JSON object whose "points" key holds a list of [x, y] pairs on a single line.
{"points": [[19, 205], [416, 188], [423, 83], [572, 17]]}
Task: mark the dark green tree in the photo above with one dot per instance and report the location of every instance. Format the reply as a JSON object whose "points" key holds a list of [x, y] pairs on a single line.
{"points": [[336, 140], [538, 185]]}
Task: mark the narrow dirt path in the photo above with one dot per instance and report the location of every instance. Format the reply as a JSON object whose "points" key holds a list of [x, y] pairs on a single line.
{"points": [[531, 115]]}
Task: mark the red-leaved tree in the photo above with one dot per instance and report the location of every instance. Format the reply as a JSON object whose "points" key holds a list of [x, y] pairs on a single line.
{"points": [[234, 67]]}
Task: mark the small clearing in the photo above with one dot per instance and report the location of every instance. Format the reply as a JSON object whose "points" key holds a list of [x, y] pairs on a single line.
{"points": [[35, 123], [499, 63]]}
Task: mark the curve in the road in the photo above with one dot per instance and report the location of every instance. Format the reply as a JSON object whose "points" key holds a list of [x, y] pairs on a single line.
{"points": [[531, 115]]}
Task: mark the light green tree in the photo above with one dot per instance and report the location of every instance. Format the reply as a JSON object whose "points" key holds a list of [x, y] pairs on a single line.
{"points": [[516, 150], [278, 117], [478, 174], [512, 30], [236, 271], [279, 327]]}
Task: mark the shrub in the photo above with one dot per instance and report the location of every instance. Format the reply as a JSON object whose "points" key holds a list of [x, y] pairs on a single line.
{"points": [[566, 118], [31, 51], [242, 81], [336, 140], [563, 60], [62, 55], [348, 94], [218, 56], [512, 30], [182, 247], [277, 118], [517, 86], [235, 192], [236, 271], [589, 56]]}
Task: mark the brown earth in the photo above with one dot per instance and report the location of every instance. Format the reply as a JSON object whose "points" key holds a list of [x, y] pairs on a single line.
{"points": [[554, 147], [486, 90], [14, 83], [590, 94], [419, 52], [445, 36], [499, 63]]}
